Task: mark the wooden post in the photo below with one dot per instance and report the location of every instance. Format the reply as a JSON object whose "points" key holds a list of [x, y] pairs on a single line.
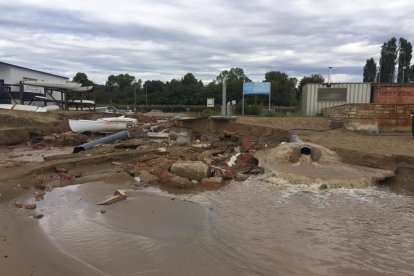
{"points": [[21, 93]]}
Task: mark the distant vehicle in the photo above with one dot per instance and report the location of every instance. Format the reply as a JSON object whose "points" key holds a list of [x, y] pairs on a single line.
{"points": [[155, 110], [112, 109]]}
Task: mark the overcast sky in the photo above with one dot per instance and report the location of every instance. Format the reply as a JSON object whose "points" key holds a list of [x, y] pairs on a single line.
{"points": [[165, 39]]}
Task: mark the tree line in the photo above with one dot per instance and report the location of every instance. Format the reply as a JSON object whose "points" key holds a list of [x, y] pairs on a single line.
{"points": [[188, 90], [392, 53]]}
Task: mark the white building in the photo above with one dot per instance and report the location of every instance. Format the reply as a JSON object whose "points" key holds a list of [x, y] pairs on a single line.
{"points": [[13, 74], [316, 97], [15, 79]]}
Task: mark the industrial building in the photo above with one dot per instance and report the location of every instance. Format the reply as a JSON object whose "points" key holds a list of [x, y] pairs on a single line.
{"points": [[21, 85], [316, 97]]}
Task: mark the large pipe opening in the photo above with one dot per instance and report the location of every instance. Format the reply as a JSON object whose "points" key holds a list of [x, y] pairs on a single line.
{"points": [[305, 150]]}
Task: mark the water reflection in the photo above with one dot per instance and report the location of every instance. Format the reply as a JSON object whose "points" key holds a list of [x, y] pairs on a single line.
{"points": [[252, 228]]}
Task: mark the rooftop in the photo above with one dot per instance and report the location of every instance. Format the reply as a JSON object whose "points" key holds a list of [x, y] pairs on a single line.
{"points": [[21, 67]]}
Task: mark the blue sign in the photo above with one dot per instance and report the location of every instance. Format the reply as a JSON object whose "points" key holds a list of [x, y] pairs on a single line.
{"points": [[254, 88]]}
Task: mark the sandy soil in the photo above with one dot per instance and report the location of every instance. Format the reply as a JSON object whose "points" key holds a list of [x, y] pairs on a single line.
{"points": [[383, 150]]}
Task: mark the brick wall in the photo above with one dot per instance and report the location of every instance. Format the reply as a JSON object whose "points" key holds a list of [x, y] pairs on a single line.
{"points": [[390, 117], [393, 94]]}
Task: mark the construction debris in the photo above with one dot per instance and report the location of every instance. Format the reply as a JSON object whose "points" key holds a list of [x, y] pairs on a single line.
{"points": [[119, 195]]}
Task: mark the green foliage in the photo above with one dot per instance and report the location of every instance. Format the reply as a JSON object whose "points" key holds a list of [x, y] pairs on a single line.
{"points": [[269, 113], [283, 88], [209, 112], [404, 58], [177, 94], [388, 60], [370, 70], [82, 78], [314, 78]]}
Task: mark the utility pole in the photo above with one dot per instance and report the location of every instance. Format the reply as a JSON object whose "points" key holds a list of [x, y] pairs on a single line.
{"points": [[135, 98], [146, 94], [223, 98], [403, 69]]}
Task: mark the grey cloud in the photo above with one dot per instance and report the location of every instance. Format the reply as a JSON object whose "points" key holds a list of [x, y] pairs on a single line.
{"points": [[256, 35]]}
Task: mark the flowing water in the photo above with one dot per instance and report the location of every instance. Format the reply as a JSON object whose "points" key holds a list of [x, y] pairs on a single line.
{"points": [[251, 228]]}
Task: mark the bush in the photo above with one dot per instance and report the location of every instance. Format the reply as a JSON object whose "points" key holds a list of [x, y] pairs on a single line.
{"points": [[209, 112]]}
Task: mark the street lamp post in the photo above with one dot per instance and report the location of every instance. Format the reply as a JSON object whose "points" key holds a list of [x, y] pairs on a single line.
{"points": [[135, 98], [146, 94], [403, 70]]}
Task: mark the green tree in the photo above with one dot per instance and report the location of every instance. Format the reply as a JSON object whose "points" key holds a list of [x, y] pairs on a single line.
{"points": [[314, 78], [235, 74], [388, 60], [235, 78], [283, 88], [188, 79], [404, 58], [82, 78], [120, 88], [370, 70]]}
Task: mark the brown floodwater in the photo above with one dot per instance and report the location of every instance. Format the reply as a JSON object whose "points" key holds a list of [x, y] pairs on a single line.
{"points": [[251, 228]]}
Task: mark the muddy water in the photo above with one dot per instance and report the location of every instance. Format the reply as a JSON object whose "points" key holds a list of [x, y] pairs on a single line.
{"points": [[243, 229]]}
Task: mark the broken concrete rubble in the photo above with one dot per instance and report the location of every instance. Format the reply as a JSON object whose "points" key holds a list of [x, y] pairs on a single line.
{"points": [[191, 169], [30, 206], [147, 177], [178, 182], [119, 195]]}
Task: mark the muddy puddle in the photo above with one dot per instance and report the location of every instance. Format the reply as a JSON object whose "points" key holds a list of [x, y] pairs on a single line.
{"points": [[28, 154], [250, 228]]}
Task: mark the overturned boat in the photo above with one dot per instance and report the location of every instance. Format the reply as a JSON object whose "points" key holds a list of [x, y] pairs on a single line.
{"points": [[130, 121], [98, 126], [23, 107]]}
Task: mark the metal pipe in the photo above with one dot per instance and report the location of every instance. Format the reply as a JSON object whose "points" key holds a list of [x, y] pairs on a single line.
{"points": [[104, 140]]}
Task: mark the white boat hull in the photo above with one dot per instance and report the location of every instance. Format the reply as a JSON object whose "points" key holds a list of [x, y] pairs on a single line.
{"points": [[129, 121], [22, 107], [80, 126]]}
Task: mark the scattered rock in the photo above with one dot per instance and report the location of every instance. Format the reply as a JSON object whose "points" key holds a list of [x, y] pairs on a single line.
{"points": [[212, 182], [178, 182], [246, 144], [160, 162], [38, 216], [246, 159], [18, 204], [75, 173], [147, 177], [39, 195], [195, 182], [60, 170], [323, 187], [191, 169], [226, 173], [163, 174], [30, 206], [102, 211]]}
